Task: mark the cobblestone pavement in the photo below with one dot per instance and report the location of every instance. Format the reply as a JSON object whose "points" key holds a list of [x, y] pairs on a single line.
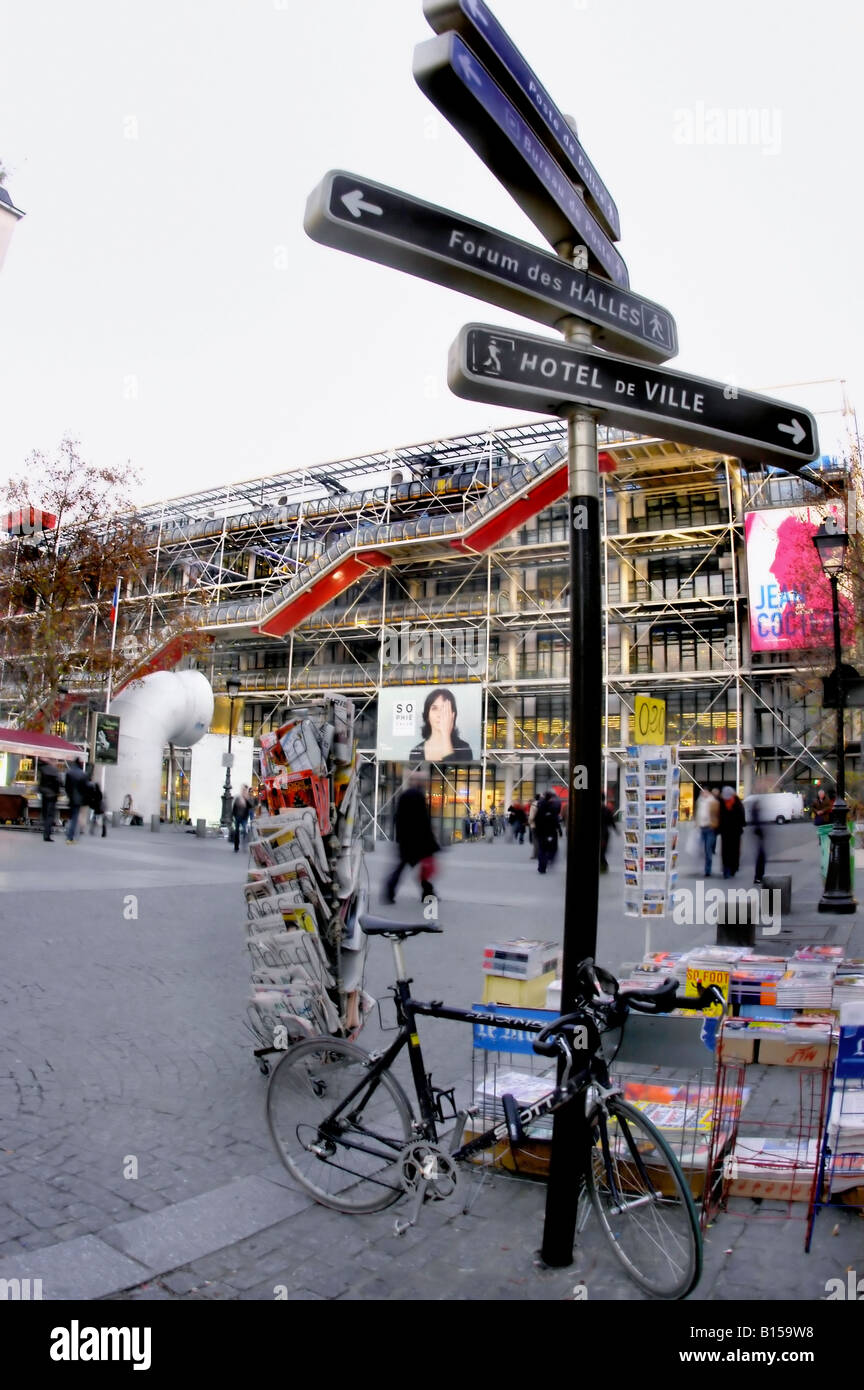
{"points": [[134, 1152]]}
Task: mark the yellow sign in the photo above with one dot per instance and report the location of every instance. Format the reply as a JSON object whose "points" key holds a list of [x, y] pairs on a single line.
{"points": [[698, 979], [649, 718]]}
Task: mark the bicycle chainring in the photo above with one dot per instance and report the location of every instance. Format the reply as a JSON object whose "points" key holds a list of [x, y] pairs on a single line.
{"points": [[426, 1164]]}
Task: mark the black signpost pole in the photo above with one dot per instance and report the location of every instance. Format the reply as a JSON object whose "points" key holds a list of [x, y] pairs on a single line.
{"points": [[583, 802]]}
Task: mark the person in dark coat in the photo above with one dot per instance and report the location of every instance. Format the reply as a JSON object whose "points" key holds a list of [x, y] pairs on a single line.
{"points": [[607, 825], [547, 826], [732, 822], [76, 783], [241, 810], [95, 799], [49, 790], [519, 821], [759, 833], [415, 841]]}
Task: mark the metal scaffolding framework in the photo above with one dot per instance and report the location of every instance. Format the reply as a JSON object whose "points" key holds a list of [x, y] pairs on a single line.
{"points": [[301, 580]]}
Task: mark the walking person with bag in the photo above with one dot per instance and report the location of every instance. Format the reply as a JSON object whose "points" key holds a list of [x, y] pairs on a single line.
{"points": [[415, 842]]}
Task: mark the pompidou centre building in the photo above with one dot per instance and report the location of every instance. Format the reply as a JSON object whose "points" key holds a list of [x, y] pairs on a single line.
{"points": [[443, 567]]}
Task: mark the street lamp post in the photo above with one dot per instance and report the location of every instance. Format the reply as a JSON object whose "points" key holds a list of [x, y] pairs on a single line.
{"points": [[232, 686], [837, 895]]}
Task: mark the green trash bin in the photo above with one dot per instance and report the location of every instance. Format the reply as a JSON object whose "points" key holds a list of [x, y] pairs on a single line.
{"points": [[824, 833]]}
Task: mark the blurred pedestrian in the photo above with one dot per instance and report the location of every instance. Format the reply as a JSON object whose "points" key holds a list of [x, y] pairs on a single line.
{"points": [[607, 825], [547, 829], [822, 813], [758, 824], [95, 801], [49, 790], [519, 821], [241, 810], [732, 822], [416, 845], [708, 822], [532, 817], [76, 781]]}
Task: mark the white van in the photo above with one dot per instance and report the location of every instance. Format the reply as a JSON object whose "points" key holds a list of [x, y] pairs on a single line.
{"points": [[775, 806]]}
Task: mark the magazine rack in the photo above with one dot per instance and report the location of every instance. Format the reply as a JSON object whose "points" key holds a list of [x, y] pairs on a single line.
{"points": [[305, 892], [841, 1154], [772, 1160], [662, 1066]]}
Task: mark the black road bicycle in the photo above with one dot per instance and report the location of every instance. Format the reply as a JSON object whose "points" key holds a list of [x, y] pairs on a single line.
{"points": [[346, 1131]]}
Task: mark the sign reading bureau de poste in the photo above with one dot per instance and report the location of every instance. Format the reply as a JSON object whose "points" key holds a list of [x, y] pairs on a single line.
{"points": [[384, 225], [453, 79], [499, 367], [474, 22]]}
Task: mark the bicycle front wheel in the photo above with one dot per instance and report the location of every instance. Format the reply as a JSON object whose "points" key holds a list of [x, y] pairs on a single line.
{"points": [[643, 1202], [339, 1132]]}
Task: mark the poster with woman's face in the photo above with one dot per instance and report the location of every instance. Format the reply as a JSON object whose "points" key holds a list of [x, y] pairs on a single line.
{"points": [[440, 724]]}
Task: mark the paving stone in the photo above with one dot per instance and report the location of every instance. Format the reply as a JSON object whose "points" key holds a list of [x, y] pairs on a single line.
{"points": [[200, 1225], [78, 1269], [180, 1282]]}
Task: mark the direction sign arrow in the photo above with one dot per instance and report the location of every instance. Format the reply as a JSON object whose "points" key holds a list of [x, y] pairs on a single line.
{"points": [[497, 366], [474, 22], [380, 223], [353, 201], [456, 82]]}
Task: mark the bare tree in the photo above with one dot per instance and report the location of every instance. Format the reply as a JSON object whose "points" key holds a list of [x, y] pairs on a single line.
{"points": [[57, 584]]}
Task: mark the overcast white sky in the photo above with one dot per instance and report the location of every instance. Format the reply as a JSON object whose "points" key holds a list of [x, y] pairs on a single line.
{"points": [[161, 302]]}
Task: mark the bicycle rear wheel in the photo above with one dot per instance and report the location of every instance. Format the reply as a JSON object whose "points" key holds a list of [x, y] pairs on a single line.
{"points": [[344, 1149], [643, 1202]]}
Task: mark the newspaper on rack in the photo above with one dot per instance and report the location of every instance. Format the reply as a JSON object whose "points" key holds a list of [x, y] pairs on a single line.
{"points": [[304, 895]]}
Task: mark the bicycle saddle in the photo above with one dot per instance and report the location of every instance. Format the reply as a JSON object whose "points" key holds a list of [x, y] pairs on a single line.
{"points": [[384, 926]]}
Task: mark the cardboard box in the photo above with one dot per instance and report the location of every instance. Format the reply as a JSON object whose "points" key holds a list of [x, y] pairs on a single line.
{"points": [[774, 1186], [736, 1046], [786, 1052], [500, 989]]}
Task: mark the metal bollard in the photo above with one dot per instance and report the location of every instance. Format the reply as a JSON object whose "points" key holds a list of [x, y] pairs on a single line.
{"points": [[154, 822], [783, 882], [201, 829]]}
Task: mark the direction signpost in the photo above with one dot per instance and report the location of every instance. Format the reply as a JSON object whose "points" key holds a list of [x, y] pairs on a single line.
{"points": [[382, 224], [457, 83], [474, 74], [475, 23], [500, 367]]}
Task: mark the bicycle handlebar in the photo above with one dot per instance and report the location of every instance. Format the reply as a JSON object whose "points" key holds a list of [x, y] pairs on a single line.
{"points": [[662, 999]]}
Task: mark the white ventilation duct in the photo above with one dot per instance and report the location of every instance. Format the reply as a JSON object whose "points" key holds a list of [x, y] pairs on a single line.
{"points": [[166, 707]]}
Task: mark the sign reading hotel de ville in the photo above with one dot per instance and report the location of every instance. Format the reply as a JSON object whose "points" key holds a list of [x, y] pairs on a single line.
{"points": [[500, 367]]}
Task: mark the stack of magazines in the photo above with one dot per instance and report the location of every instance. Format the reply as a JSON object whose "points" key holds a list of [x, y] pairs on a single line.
{"points": [[806, 985]]}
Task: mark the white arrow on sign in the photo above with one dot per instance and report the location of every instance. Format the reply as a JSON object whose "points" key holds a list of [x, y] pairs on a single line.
{"points": [[476, 13], [469, 71], [356, 206], [795, 430]]}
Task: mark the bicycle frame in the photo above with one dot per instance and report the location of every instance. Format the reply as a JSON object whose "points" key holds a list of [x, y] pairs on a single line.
{"points": [[408, 1010]]}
